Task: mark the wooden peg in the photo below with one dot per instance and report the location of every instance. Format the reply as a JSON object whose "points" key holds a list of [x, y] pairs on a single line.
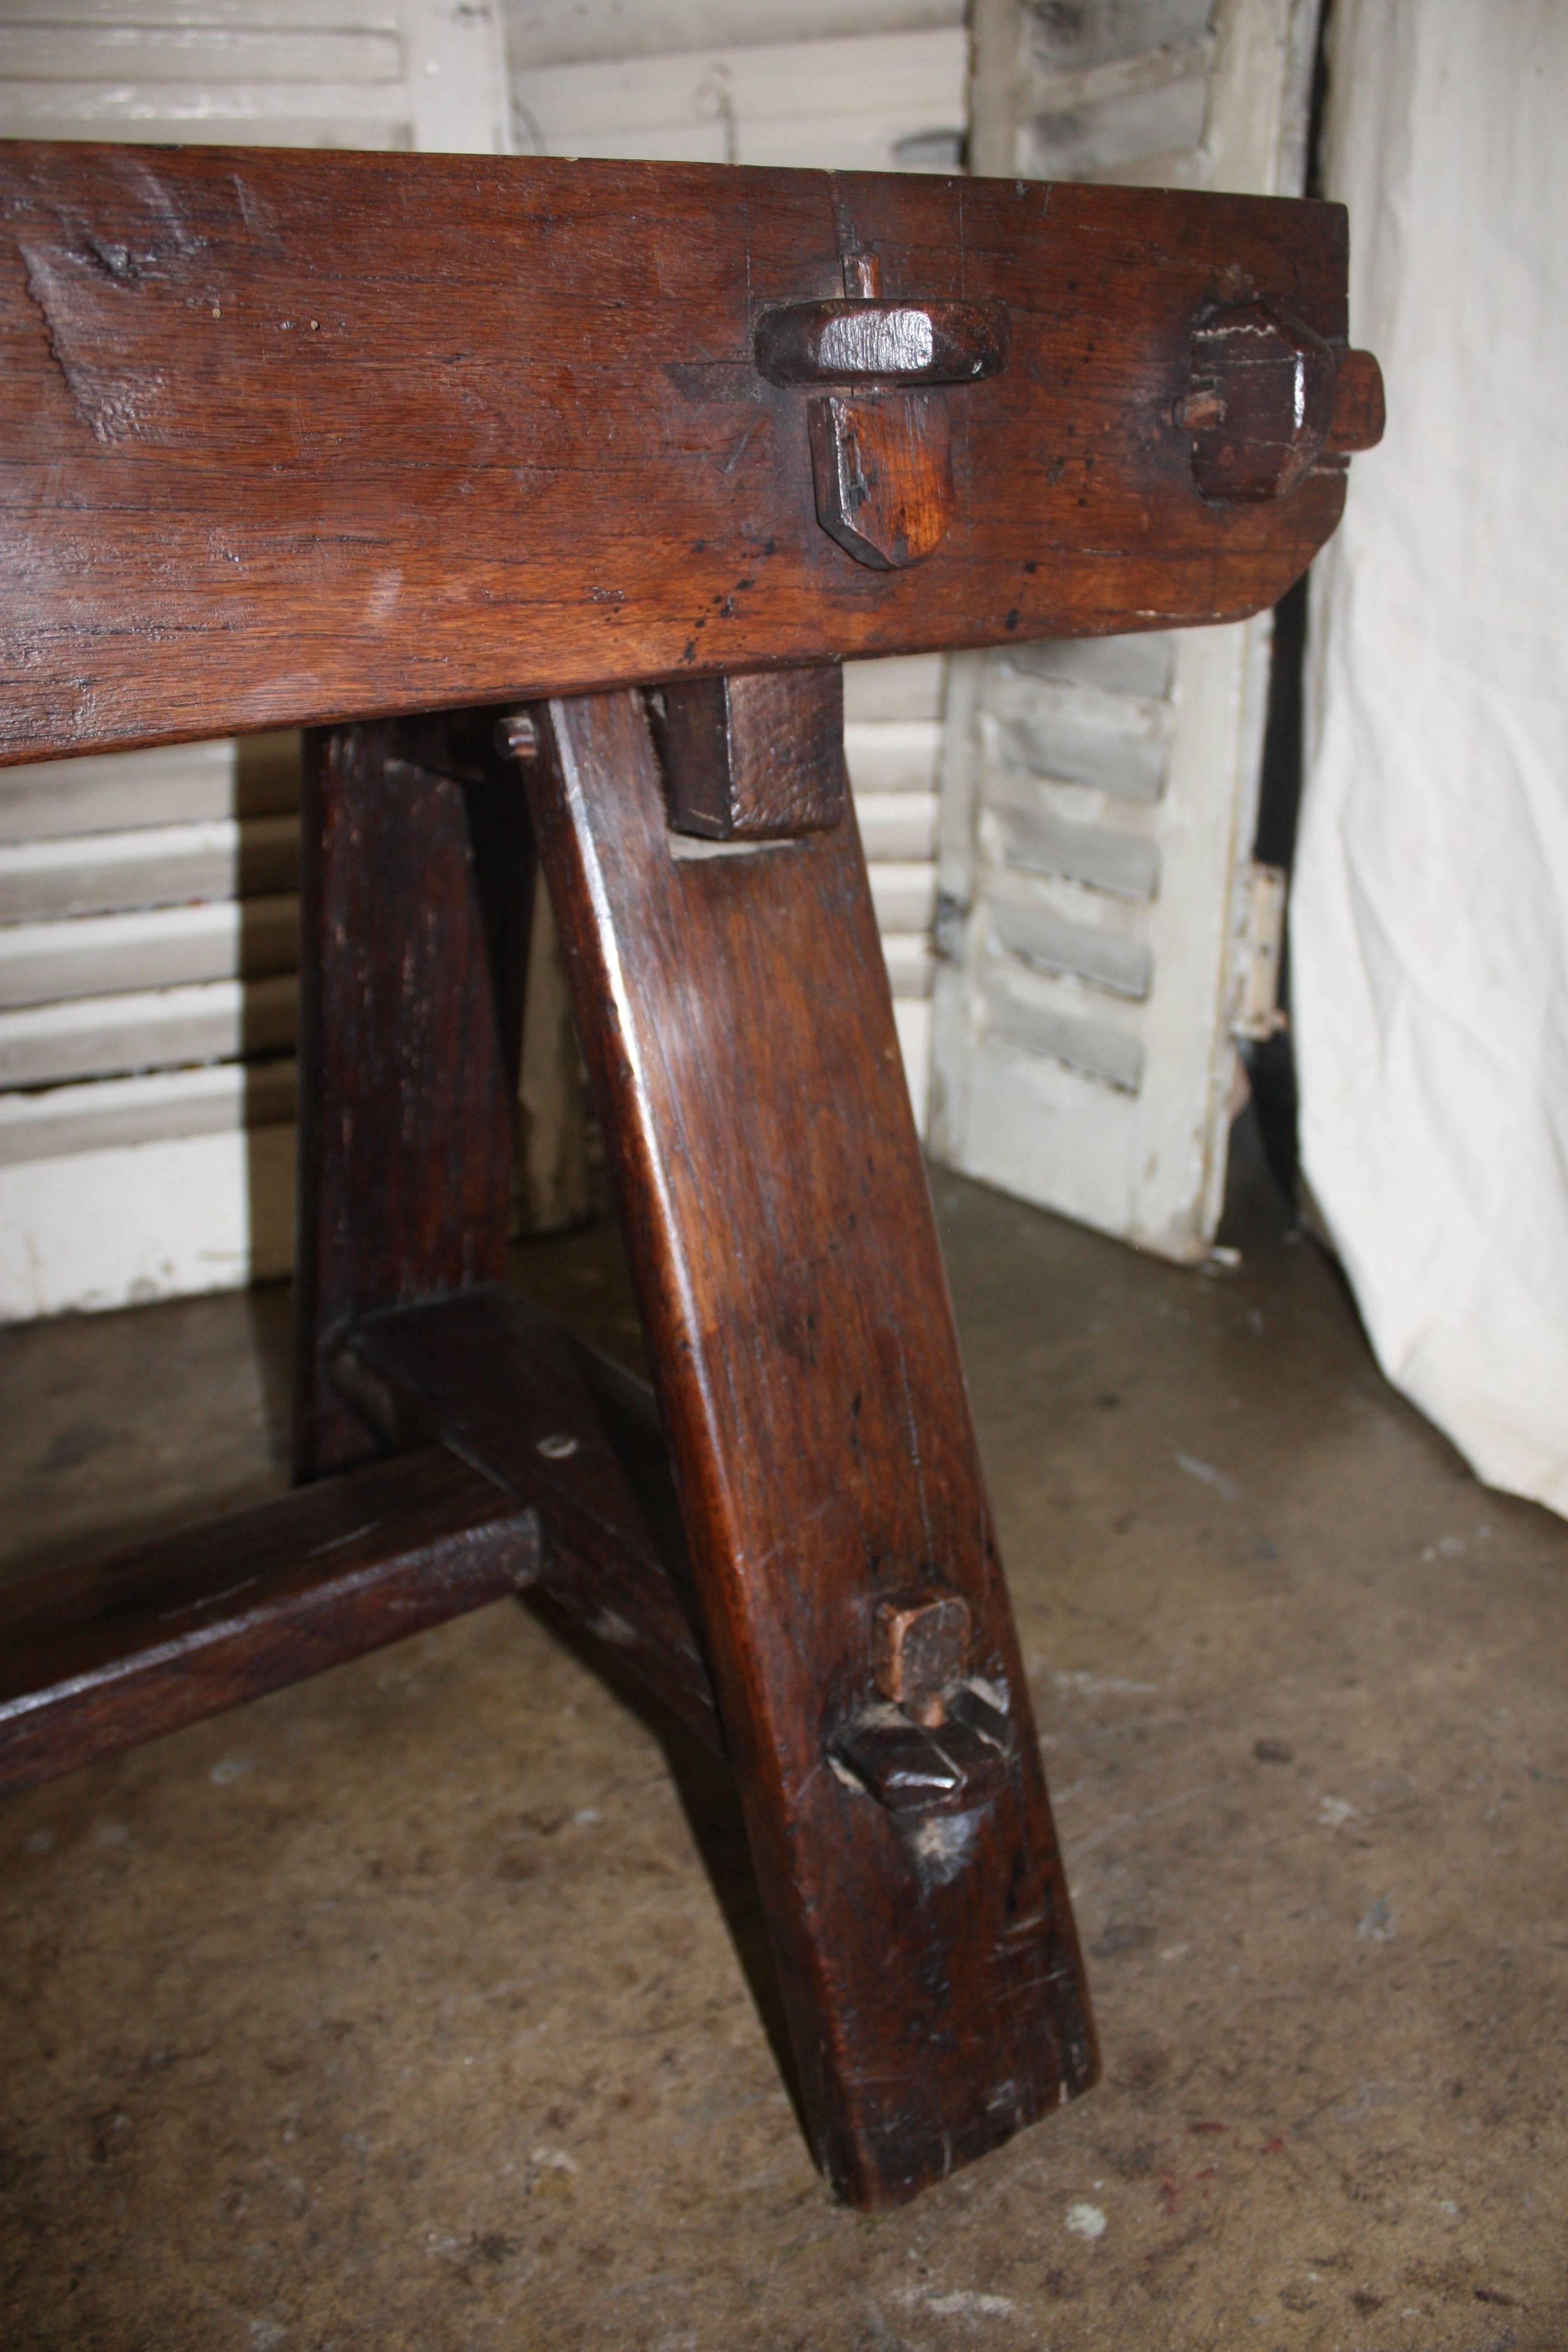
{"points": [[1270, 400], [902, 344], [922, 1647], [1359, 411], [883, 470]]}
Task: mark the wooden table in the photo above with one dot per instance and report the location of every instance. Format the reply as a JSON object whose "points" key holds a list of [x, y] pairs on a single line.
{"points": [[550, 497]]}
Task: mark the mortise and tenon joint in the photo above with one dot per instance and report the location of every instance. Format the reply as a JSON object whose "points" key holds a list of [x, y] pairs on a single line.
{"points": [[936, 1739], [757, 756], [1271, 402], [882, 463]]}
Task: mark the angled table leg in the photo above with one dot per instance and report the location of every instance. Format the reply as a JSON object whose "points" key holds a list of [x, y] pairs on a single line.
{"points": [[416, 889], [736, 1016]]}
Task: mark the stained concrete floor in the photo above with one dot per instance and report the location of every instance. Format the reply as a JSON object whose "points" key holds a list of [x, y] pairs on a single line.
{"points": [[421, 2006]]}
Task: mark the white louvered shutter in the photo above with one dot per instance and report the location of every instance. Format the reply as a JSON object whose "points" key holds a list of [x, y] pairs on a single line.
{"points": [[1097, 915], [147, 914], [884, 100]]}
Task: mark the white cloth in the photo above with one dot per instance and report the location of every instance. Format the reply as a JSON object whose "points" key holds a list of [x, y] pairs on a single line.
{"points": [[1429, 927]]}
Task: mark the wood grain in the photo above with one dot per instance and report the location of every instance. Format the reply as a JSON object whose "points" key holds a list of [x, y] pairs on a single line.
{"points": [[1359, 413], [410, 1026], [883, 476], [1267, 395], [297, 436], [501, 1384], [104, 1656], [737, 1024], [756, 757]]}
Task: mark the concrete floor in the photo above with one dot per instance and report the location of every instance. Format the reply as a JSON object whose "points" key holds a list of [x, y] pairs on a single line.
{"points": [[413, 2007]]}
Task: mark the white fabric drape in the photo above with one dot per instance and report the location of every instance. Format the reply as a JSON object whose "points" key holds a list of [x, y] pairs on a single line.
{"points": [[1430, 909]]}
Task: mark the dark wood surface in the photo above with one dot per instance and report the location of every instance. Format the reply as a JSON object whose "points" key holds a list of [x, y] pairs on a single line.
{"points": [[1269, 401], [498, 1381], [412, 957], [755, 757], [104, 1656], [297, 436], [736, 1016], [1359, 413], [883, 473]]}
